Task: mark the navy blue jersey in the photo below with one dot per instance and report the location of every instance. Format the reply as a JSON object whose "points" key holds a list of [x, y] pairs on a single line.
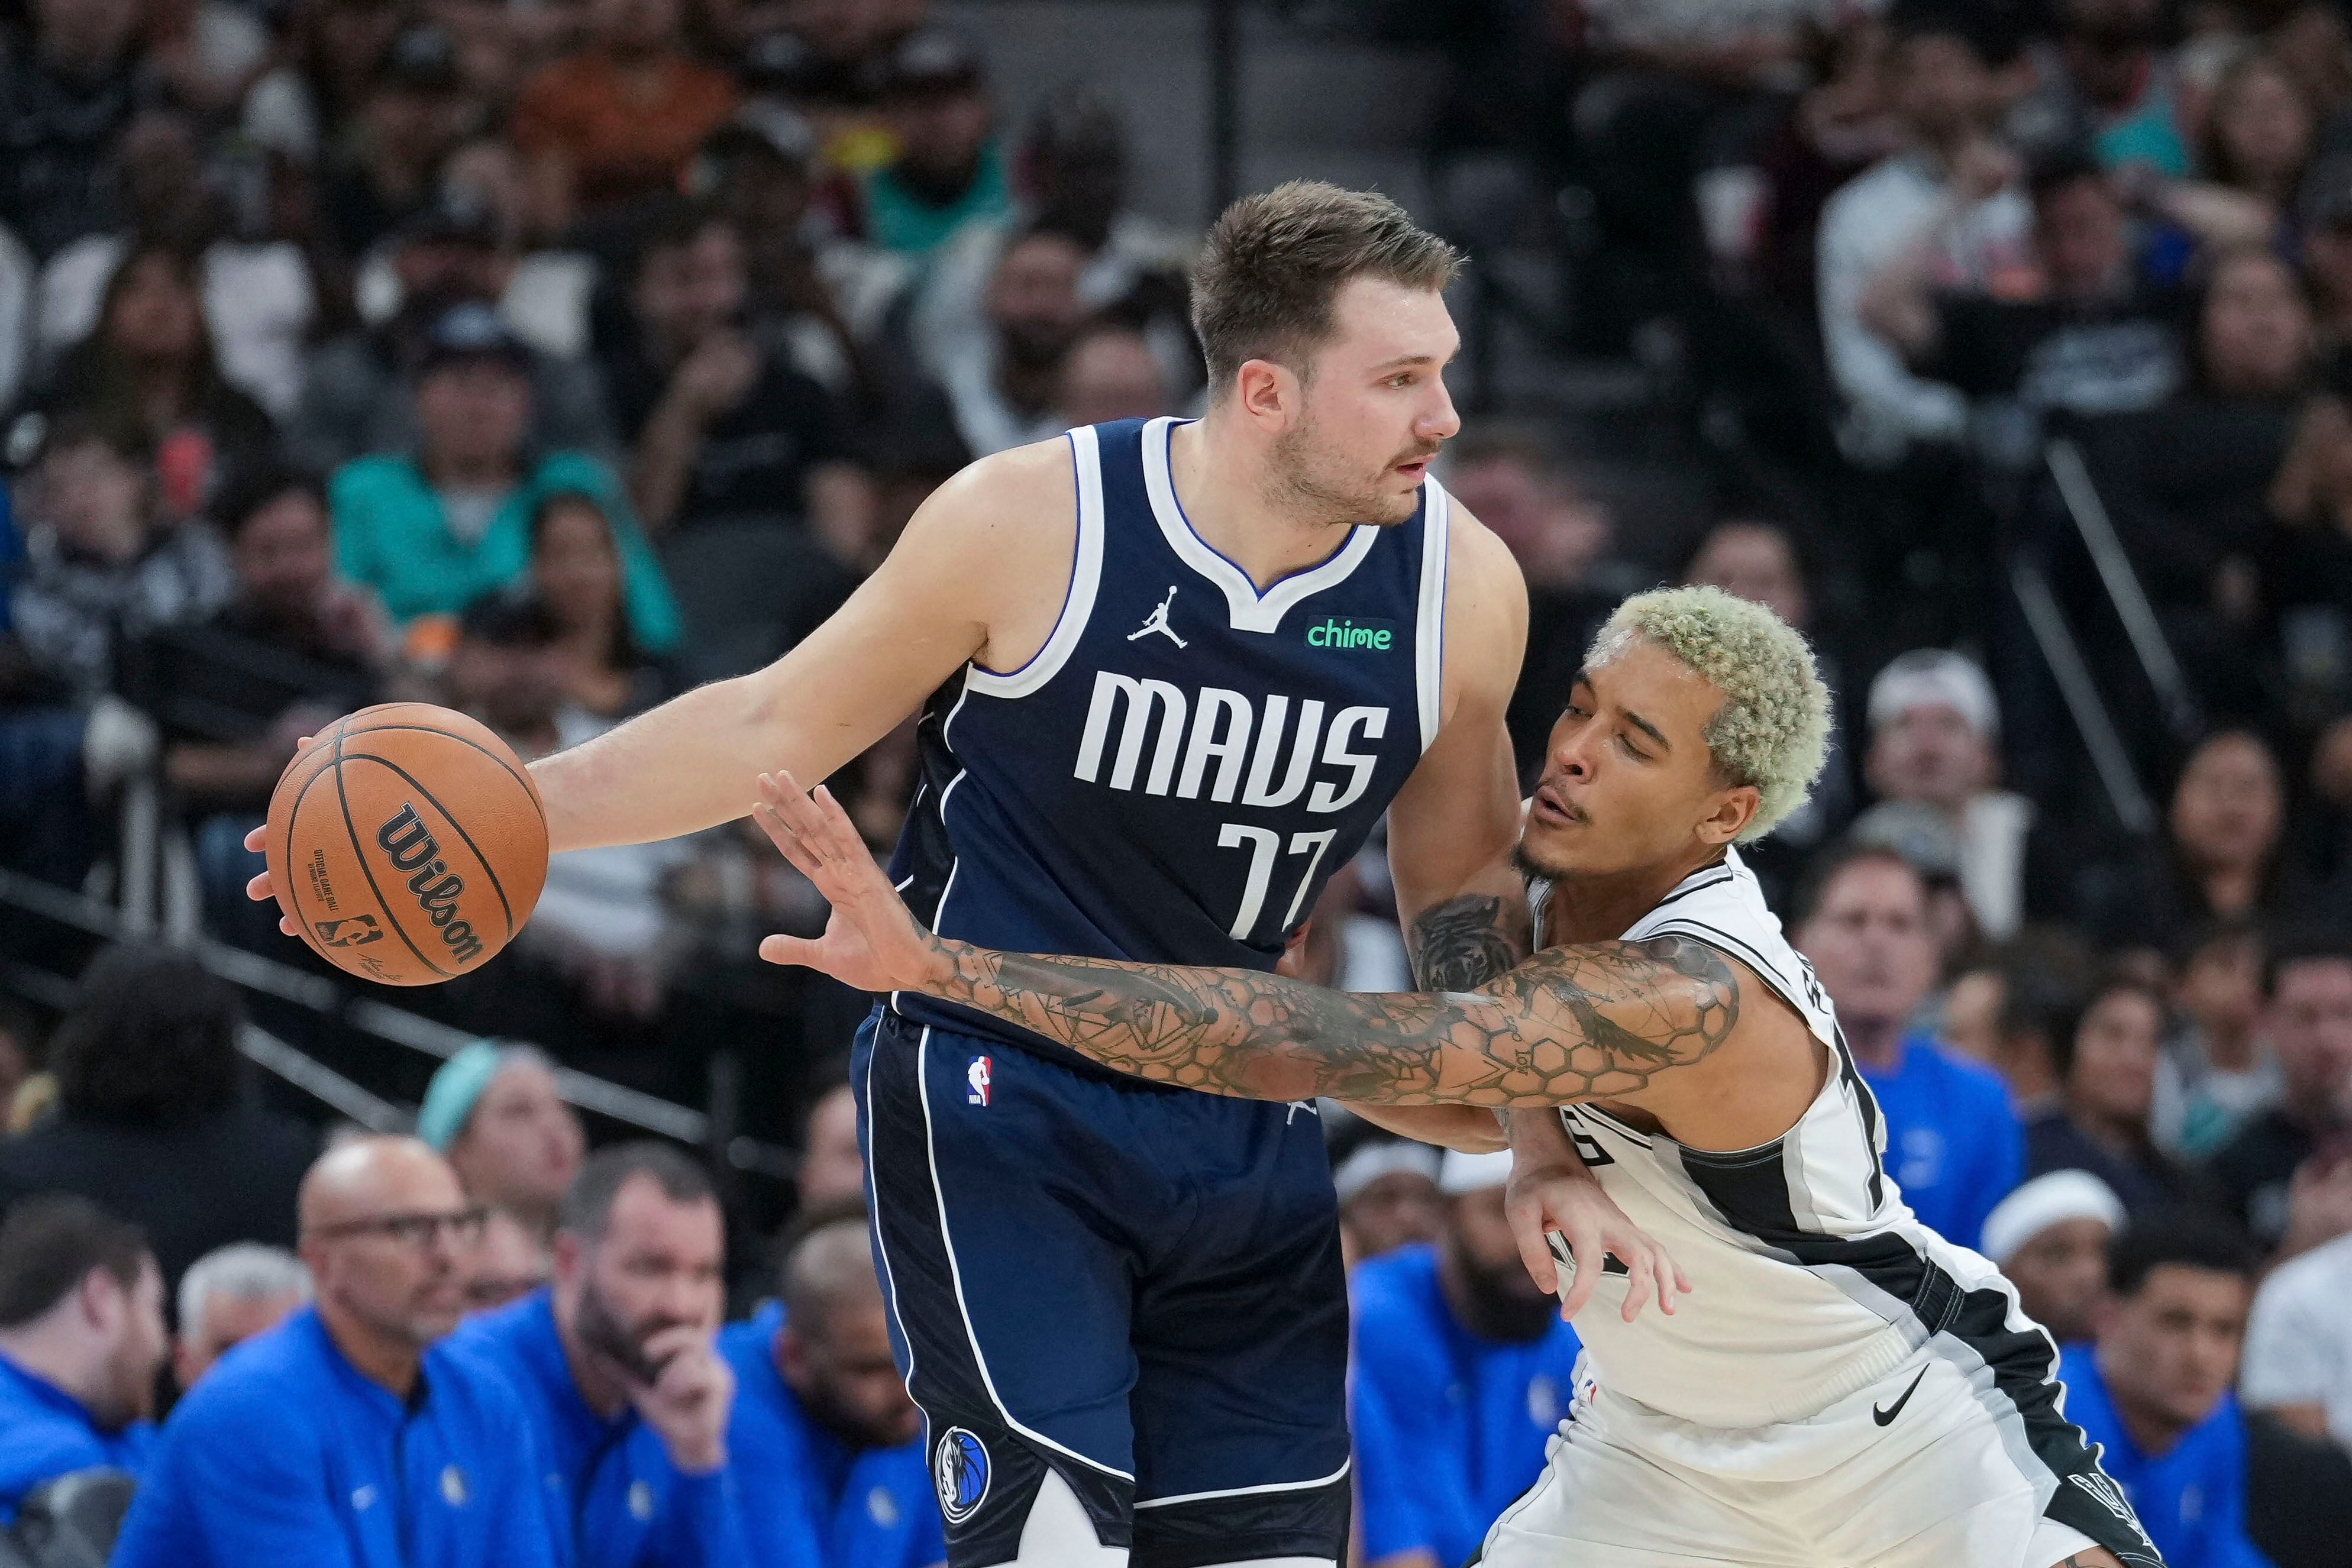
{"points": [[1186, 760]]}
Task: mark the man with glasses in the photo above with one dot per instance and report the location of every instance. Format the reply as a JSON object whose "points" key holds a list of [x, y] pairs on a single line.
{"points": [[623, 1388], [347, 1436]]}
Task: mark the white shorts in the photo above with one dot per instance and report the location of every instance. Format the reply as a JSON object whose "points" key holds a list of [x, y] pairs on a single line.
{"points": [[1945, 1480]]}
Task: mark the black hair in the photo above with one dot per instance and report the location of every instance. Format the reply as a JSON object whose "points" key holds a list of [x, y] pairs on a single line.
{"points": [[2310, 945], [49, 1244], [669, 223], [2185, 1238], [152, 1043], [252, 490], [587, 1206], [1829, 864], [505, 617], [2067, 1021], [2055, 171], [621, 652], [2219, 930], [1982, 27]]}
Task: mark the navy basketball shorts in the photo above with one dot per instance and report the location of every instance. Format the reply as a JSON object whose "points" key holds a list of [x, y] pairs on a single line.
{"points": [[1133, 1289]]}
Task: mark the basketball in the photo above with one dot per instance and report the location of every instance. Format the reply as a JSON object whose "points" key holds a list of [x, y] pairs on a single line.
{"points": [[407, 844]]}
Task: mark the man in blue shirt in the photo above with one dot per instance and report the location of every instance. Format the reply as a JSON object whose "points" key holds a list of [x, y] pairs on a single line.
{"points": [[1464, 1371], [827, 1448], [621, 1385], [1953, 1142], [82, 1336], [346, 1437], [2154, 1392]]}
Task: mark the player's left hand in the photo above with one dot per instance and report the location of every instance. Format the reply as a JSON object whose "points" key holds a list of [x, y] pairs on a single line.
{"points": [[871, 940], [687, 1401], [1543, 1199]]}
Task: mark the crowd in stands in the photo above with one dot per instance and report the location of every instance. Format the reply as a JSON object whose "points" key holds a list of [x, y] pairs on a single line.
{"points": [[542, 360]]}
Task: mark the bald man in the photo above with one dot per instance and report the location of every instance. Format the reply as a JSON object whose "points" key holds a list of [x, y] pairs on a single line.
{"points": [[828, 1448], [346, 1437]]}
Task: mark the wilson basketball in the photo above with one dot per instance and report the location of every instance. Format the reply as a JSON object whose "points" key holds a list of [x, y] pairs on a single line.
{"points": [[407, 844]]}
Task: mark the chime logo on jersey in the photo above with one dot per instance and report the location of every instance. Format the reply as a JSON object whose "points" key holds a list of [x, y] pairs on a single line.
{"points": [[975, 1078], [959, 1470]]}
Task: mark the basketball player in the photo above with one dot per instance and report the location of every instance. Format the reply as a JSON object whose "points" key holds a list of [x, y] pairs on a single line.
{"points": [[1175, 674], [1842, 1387]]}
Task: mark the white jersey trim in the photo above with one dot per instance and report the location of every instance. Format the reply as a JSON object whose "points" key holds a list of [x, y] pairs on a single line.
{"points": [[1429, 631], [1246, 610], [1086, 579]]}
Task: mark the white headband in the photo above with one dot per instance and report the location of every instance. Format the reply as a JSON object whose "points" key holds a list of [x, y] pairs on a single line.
{"points": [[1463, 1173], [2045, 1201], [1382, 1157]]}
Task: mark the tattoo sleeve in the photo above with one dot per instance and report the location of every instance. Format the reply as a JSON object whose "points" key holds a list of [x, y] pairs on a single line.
{"points": [[1590, 1022], [1467, 941]]}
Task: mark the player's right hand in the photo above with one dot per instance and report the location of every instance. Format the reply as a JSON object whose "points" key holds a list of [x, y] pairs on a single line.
{"points": [[1547, 1199], [258, 889]]}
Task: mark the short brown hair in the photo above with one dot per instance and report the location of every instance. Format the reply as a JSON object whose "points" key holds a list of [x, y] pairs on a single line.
{"points": [[49, 1245], [1264, 286]]}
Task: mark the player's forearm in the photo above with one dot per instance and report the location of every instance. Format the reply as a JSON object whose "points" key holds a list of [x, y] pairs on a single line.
{"points": [[691, 764], [1468, 1128]]}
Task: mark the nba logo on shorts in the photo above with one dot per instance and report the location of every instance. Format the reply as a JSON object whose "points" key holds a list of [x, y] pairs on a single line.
{"points": [[976, 1079], [959, 1466]]}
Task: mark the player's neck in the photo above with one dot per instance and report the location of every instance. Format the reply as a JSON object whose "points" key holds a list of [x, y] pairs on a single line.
{"points": [[1222, 484], [1602, 908]]}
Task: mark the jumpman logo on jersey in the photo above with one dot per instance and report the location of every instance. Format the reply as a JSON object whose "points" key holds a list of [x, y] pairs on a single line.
{"points": [[1158, 622]]}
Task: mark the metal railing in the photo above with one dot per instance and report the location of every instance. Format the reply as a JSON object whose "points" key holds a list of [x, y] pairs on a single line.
{"points": [[2097, 531]]}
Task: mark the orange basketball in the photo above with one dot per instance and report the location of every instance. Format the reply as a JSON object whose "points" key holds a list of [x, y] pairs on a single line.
{"points": [[407, 844]]}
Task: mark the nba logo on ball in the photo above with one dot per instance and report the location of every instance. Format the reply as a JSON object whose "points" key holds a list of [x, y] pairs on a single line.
{"points": [[960, 1470], [976, 1078]]}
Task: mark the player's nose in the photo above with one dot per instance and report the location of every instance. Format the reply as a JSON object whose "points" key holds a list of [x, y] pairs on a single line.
{"points": [[1438, 422]]}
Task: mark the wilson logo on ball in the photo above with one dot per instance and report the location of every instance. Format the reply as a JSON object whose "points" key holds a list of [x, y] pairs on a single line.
{"points": [[413, 849]]}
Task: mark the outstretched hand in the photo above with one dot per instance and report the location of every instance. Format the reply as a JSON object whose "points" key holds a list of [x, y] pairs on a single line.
{"points": [[1544, 1203], [871, 941]]}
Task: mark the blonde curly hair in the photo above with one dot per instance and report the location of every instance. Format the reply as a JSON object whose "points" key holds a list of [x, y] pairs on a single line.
{"points": [[1772, 731]]}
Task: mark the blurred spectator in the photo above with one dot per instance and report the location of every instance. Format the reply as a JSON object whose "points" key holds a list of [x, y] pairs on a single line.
{"points": [[618, 120], [2093, 337], [1952, 181], [948, 170], [407, 123], [724, 425], [2325, 218], [832, 1170], [2307, 1021], [2106, 1075], [2050, 1237], [493, 1111], [230, 1295], [2260, 130], [1952, 1142], [1760, 560], [1935, 728], [2154, 1393], [1464, 1371], [285, 1451], [149, 365], [259, 303], [99, 566], [66, 90], [1515, 480], [359, 390], [2215, 1072], [81, 1338], [622, 1388], [758, 171], [2220, 858], [512, 1261], [2306, 572], [827, 1448], [1003, 385], [2107, 83], [2299, 1339], [432, 530], [1110, 374], [156, 1119], [575, 572], [1388, 1197]]}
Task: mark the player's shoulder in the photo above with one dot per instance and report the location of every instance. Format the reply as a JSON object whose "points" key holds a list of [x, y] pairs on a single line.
{"points": [[1009, 503]]}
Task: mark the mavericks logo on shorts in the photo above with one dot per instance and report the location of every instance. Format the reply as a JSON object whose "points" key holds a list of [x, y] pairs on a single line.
{"points": [[959, 1470]]}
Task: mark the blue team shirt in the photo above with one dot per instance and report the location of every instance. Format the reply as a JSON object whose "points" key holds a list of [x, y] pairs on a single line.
{"points": [[2191, 1500], [1953, 1141], [809, 1497], [46, 1433], [612, 1498], [285, 1457], [1450, 1428]]}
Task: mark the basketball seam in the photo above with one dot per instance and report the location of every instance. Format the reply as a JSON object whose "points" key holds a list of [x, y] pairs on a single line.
{"points": [[343, 798], [456, 827], [520, 776], [293, 815]]}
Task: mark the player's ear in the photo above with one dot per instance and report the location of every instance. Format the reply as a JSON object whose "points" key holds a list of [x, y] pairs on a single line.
{"points": [[1269, 394], [1734, 809]]}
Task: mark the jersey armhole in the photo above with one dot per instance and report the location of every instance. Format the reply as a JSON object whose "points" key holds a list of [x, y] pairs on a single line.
{"points": [[1429, 628], [1079, 599]]}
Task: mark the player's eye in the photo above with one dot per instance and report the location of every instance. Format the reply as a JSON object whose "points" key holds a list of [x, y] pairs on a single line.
{"points": [[1632, 750], [1402, 379]]}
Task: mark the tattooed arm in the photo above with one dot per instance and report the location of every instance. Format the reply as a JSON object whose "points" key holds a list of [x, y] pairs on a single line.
{"points": [[1598, 1021]]}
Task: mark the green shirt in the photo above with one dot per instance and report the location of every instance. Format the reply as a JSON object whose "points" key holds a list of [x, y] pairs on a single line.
{"points": [[896, 219]]}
